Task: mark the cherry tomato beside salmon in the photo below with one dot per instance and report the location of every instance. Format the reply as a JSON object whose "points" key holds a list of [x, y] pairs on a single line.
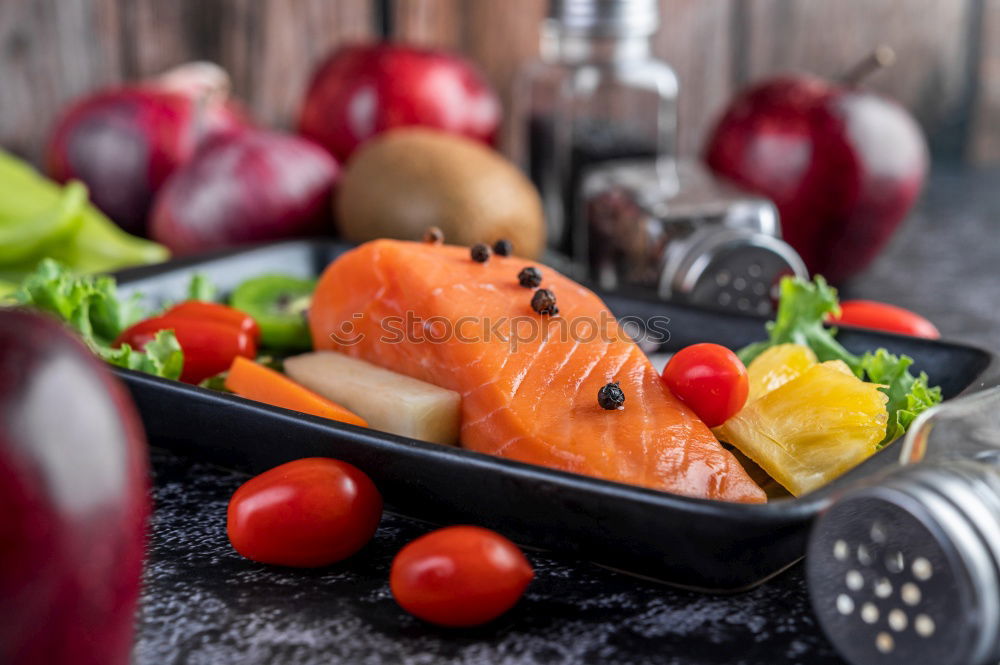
{"points": [[710, 379], [213, 311], [881, 316], [209, 346], [459, 576], [308, 513]]}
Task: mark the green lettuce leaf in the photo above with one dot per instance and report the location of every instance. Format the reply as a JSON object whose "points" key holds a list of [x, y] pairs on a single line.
{"points": [[201, 288], [91, 306], [909, 395], [216, 382], [802, 308], [161, 357]]}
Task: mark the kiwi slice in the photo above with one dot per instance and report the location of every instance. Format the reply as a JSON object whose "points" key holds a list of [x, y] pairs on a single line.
{"points": [[279, 304]]}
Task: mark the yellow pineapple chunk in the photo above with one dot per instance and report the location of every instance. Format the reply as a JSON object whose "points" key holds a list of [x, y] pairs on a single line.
{"points": [[841, 367], [777, 366], [812, 428]]}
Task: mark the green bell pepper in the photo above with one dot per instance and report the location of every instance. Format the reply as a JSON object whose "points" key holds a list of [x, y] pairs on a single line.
{"points": [[39, 219]]}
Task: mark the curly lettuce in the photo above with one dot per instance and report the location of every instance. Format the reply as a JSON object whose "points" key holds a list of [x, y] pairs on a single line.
{"points": [[909, 395], [92, 307], [803, 306]]}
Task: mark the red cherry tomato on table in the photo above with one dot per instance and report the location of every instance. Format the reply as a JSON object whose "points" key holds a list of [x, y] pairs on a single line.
{"points": [[307, 513], [881, 316], [710, 379], [213, 311], [209, 346], [459, 576]]}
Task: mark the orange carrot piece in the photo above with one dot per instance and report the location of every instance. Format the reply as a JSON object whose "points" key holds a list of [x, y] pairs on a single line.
{"points": [[261, 384]]}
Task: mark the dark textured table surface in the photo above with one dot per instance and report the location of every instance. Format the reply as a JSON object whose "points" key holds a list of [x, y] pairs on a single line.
{"points": [[204, 605]]}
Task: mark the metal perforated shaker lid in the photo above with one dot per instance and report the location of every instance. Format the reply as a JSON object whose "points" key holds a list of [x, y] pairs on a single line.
{"points": [[732, 268], [605, 17], [905, 572]]}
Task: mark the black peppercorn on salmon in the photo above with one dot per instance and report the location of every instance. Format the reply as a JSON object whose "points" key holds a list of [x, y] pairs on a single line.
{"points": [[529, 382]]}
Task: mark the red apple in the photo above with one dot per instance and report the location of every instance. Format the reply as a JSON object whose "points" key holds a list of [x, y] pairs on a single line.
{"points": [[124, 142], [73, 495], [843, 166], [361, 91]]}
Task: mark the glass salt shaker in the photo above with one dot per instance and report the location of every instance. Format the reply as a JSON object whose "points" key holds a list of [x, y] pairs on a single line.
{"points": [[595, 93]]}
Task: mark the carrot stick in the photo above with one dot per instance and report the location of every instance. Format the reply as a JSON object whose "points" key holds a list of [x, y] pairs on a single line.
{"points": [[261, 384]]}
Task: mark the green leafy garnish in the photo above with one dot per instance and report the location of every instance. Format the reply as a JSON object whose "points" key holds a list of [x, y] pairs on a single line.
{"points": [[216, 382], [161, 357], [202, 288], [908, 395], [802, 308], [91, 306]]}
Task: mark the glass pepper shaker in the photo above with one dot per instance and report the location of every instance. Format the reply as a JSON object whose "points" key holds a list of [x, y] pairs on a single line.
{"points": [[927, 536], [595, 93]]}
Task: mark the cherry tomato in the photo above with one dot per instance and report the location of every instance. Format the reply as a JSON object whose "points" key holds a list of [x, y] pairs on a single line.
{"points": [[213, 311], [710, 379], [459, 576], [881, 316], [307, 513], [209, 346]]}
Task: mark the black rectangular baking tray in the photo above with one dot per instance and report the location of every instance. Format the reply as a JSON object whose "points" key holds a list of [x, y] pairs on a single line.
{"points": [[694, 543]]}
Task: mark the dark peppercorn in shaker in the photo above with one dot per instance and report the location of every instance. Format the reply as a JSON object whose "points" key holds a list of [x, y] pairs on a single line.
{"points": [[631, 113]]}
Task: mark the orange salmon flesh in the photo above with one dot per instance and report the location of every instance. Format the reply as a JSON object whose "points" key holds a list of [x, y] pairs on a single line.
{"points": [[529, 384]]}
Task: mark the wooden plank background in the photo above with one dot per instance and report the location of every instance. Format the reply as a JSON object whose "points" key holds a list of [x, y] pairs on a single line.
{"points": [[948, 70]]}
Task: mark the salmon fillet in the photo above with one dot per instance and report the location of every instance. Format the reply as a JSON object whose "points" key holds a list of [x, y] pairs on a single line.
{"points": [[528, 382]]}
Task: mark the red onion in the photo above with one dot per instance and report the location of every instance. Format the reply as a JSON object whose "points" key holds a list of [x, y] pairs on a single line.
{"points": [[243, 188], [361, 91], [124, 142]]}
